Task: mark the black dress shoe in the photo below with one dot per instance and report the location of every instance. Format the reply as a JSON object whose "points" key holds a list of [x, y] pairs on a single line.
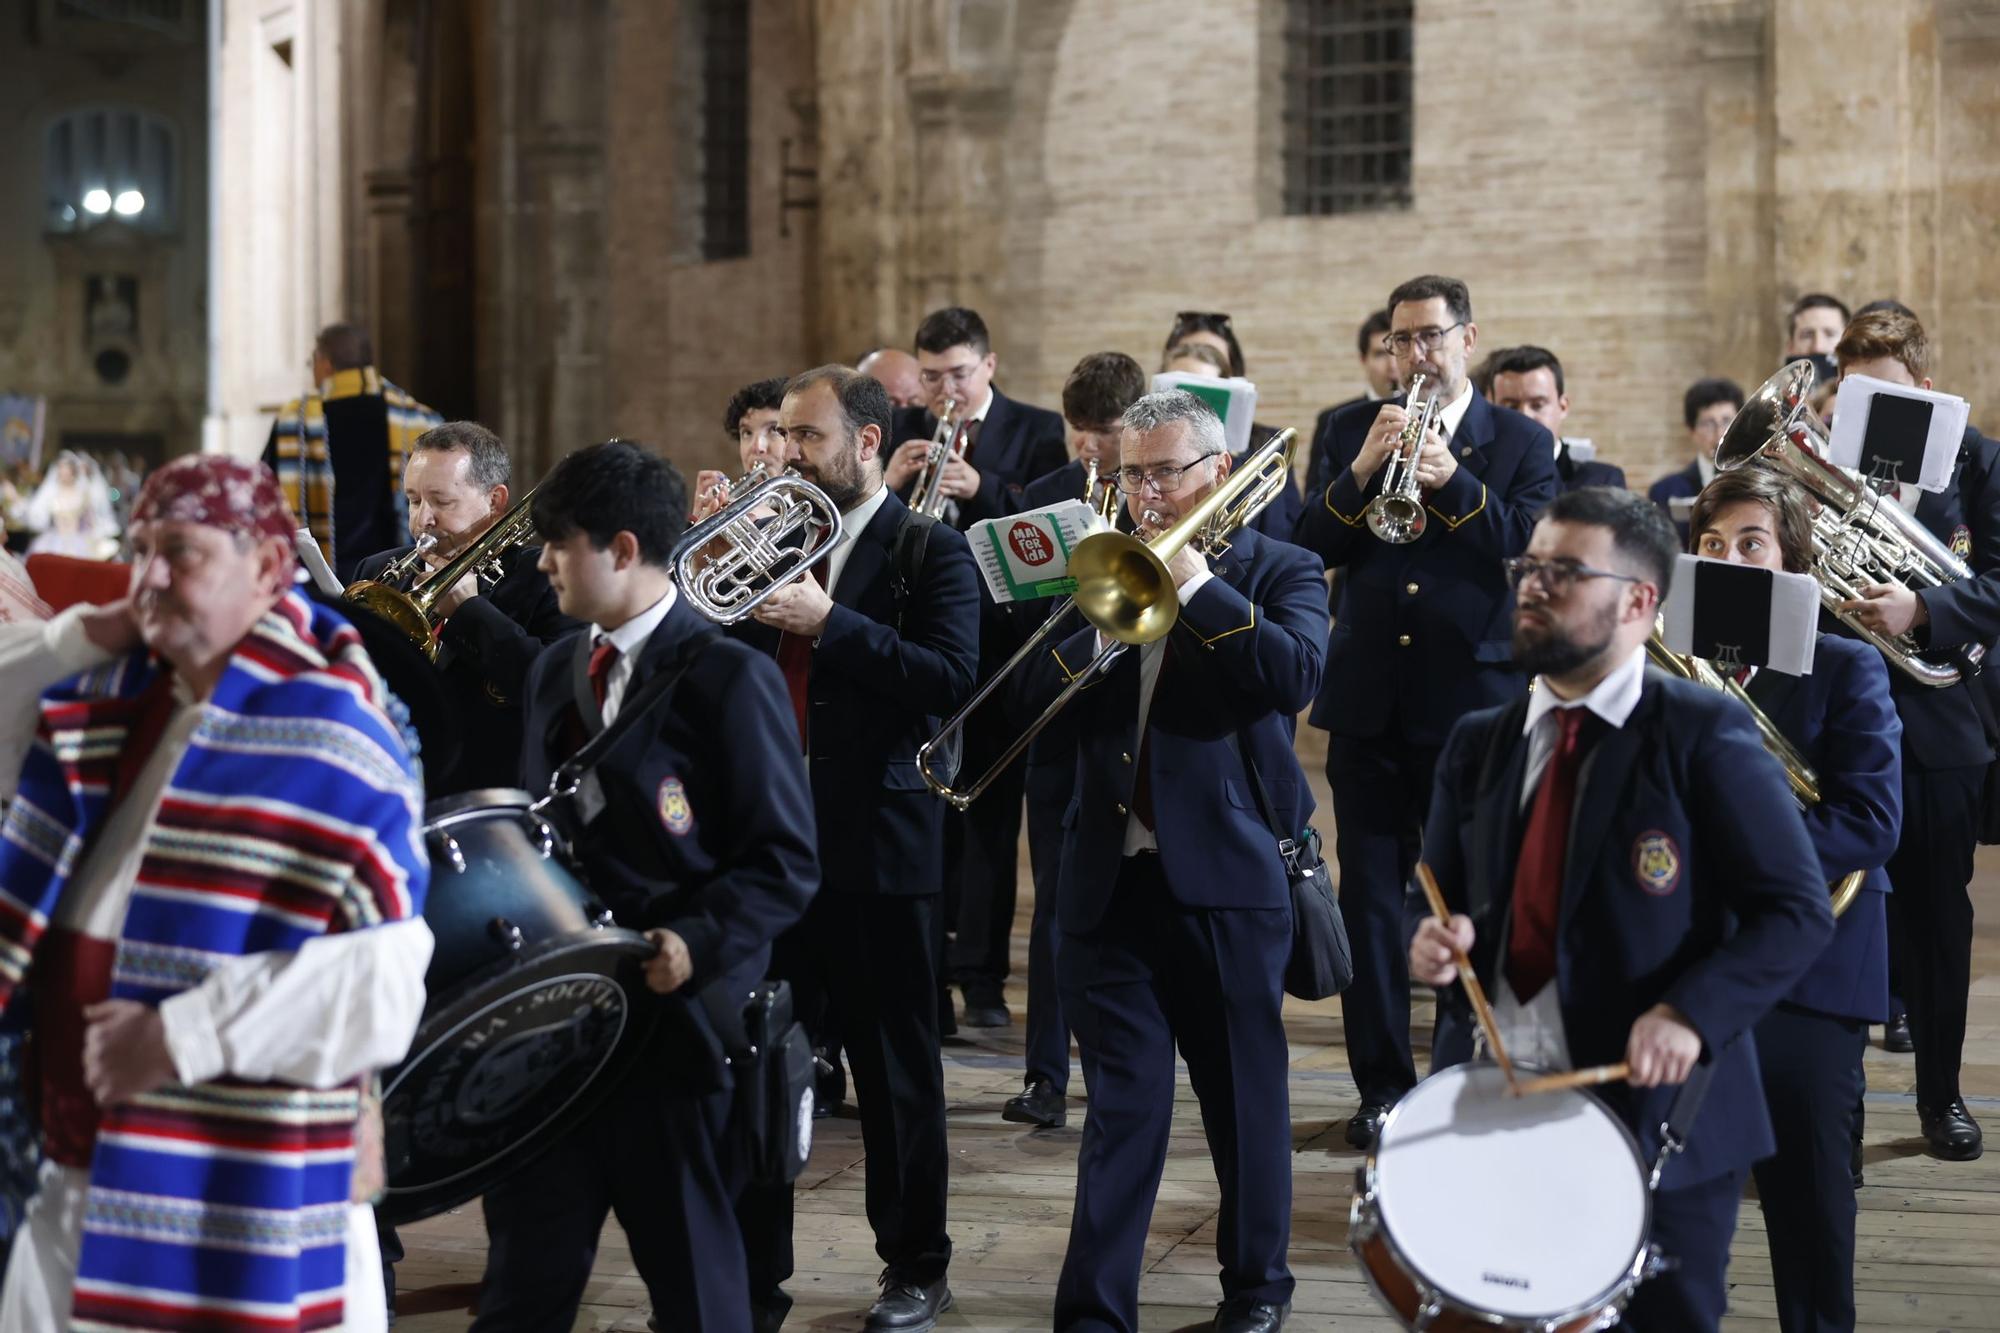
{"points": [[1240, 1314], [908, 1307], [1896, 1033], [986, 1008], [1953, 1133], [1040, 1103], [829, 1084], [1366, 1124], [768, 1311]]}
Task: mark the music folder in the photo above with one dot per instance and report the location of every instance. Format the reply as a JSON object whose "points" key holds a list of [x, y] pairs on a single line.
{"points": [[314, 563], [1895, 432], [1742, 616]]}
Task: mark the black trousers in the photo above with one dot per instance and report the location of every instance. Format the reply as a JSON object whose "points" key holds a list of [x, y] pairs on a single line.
{"points": [[1811, 1064], [1692, 1225], [981, 858], [877, 955], [1151, 977], [655, 1157], [1381, 796], [1048, 1035], [1930, 912]]}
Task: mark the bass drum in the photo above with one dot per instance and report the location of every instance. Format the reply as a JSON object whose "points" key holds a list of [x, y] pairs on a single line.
{"points": [[535, 1008]]}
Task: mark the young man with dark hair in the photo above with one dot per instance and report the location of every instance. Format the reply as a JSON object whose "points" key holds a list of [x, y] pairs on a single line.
{"points": [[1946, 749], [1707, 408], [1814, 325], [1529, 380], [1420, 639], [875, 647], [692, 829], [1007, 445], [340, 450], [1688, 901], [456, 485]]}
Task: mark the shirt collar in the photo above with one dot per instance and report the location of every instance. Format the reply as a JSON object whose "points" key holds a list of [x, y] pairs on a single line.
{"points": [[1612, 698], [630, 636], [984, 407], [1705, 467], [1454, 412], [854, 520]]}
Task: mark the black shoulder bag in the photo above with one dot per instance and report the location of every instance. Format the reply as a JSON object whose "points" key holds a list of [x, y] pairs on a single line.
{"points": [[1321, 963], [766, 1048]]}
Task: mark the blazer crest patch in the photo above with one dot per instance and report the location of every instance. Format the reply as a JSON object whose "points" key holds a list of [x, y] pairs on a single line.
{"points": [[675, 812], [1656, 863]]}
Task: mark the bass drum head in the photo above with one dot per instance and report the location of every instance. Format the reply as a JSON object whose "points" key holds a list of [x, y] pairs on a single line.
{"points": [[1520, 1207], [507, 1066]]}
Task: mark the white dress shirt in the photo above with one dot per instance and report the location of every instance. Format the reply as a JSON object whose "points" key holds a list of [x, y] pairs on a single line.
{"points": [[1533, 1032], [628, 639], [1139, 838], [1451, 414], [852, 524]]}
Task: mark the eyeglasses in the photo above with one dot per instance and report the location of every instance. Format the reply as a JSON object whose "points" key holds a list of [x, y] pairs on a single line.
{"points": [[1165, 480], [1432, 339], [1556, 575], [956, 374]]}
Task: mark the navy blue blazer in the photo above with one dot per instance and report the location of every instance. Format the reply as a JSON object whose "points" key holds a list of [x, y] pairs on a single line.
{"points": [[705, 828], [1682, 485], [1841, 719], [874, 695], [485, 652], [1018, 442], [1245, 657], [1423, 634], [1690, 881], [1575, 475]]}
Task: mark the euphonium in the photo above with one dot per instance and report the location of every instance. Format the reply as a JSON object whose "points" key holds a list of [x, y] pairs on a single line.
{"points": [[1799, 774], [1397, 514], [1858, 535], [753, 557], [1124, 589], [947, 443], [412, 611]]}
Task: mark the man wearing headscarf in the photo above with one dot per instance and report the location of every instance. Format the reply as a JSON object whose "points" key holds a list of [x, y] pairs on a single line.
{"points": [[210, 882]]}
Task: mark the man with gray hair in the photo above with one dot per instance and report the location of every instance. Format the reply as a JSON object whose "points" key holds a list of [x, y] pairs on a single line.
{"points": [[1174, 904], [456, 485]]}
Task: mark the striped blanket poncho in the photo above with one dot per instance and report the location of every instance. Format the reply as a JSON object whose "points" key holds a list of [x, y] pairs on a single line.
{"points": [[304, 467], [293, 813]]}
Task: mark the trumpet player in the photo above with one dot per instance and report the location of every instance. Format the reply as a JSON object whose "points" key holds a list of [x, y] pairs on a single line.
{"points": [[751, 423], [457, 482], [1173, 909], [1421, 637], [1946, 750]]}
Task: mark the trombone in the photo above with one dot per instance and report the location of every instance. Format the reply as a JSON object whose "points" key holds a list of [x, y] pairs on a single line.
{"points": [[412, 610], [947, 443], [1397, 514], [1123, 588]]}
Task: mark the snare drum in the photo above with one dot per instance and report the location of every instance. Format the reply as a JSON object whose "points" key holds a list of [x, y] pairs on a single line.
{"points": [[1479, 1211], [534, 1010]]}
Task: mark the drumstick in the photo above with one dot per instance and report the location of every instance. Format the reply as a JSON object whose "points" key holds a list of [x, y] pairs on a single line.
{"points": [[1575, 1078], [1466, 976]]}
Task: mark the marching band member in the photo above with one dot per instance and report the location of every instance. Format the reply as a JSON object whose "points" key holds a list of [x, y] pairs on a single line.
{"points": [[1809, 1047], [456, 485], [1529, 380], [751, 423], [1007, 444], [1173, 906], [1420, 639], [1204, 343], [221, 712], [1688, 902], [1708, 406], [873, 657], [1094, 398], [694, 833], [1814, 325], [1945, 748]]}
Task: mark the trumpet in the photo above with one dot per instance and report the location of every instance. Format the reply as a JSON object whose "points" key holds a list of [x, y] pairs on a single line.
{"points": [[947, 443], [1103, 502], [1799, 775], [1397, 514], [1858, 535], [755, 556], [1123, 588], [413, 610]]}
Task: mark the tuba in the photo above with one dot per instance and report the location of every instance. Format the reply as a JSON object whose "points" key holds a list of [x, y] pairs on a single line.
{"points": [[1123, 588], [730, 562], [947, 443], [1859, 535], [1397, 514], [1799, 774], [411, 610]]}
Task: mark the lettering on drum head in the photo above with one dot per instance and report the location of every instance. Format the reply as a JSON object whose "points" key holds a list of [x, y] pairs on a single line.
{"points": [[1506, 1280]]}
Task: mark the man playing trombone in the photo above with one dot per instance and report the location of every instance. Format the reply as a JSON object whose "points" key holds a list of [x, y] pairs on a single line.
{"points": [[1174, 903]]}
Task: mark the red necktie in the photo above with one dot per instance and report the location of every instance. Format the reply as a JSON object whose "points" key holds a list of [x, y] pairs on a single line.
{"points": [[795, 660], [1142, 781], [1538, 875], [602, 658]]}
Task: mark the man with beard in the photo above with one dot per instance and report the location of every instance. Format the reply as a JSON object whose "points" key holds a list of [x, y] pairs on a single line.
{"points": [[1688, 903], [880, 641]]}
